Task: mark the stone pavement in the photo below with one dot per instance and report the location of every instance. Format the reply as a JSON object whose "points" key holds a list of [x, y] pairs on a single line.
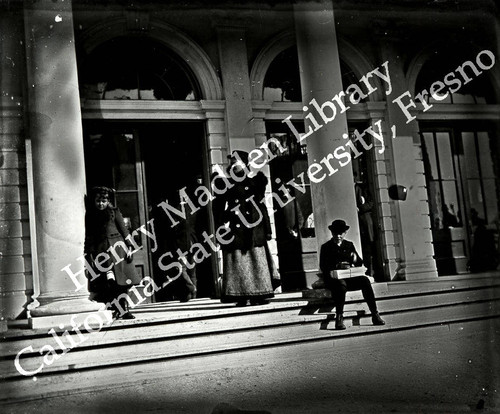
{"points": [[453, 368]]}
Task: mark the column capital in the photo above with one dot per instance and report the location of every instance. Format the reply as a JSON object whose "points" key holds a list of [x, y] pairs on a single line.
{"points": [[213, 109], [260, 108]]}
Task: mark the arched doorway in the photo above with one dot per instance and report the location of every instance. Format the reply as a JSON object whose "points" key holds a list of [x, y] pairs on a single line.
{"points": [[144, 137]]}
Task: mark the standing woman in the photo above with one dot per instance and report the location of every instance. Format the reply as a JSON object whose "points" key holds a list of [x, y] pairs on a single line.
{"points": [[249, 269], [105, 228]]}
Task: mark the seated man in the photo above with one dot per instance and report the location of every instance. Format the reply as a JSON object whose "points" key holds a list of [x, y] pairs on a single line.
{"points": [[336, 254]]}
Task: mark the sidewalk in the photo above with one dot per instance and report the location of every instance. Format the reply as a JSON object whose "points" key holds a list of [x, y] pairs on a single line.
{"points": [[441, 369]]}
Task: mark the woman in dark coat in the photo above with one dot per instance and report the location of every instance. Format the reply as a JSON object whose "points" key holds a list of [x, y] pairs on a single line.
{"points": [[104, 228], [248, 266]]}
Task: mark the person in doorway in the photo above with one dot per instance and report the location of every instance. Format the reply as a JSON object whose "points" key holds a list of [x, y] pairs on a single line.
{"points": [[484, 255], [179, 287], [366, 225], [186, 235], [338, 253], [105, 228], [249, 269]]}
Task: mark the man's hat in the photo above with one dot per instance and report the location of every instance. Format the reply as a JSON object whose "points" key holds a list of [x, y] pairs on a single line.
{"points": [[338, 226]]}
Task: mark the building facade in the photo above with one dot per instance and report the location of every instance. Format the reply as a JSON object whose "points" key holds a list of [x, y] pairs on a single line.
{"points": [[387, 113]]}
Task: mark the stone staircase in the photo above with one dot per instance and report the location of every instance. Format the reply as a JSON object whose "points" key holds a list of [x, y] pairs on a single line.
{"points": [[174, 331]]}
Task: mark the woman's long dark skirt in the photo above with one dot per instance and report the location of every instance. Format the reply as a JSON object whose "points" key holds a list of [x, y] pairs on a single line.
{"points": [[248, 275]]}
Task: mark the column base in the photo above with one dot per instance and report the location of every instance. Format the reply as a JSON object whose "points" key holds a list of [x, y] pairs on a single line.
{"points": [[51, 306], [95, 320], [416, 270]]}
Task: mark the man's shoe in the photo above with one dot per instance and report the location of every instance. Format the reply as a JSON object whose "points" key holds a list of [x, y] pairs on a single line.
{"points": [[186, 298], [377, 320], [128, 315], [339, 322]]}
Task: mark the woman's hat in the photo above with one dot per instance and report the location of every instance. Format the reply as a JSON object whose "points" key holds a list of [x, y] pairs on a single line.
{"points": [[102, 191], [338, 226], [242, 155]]}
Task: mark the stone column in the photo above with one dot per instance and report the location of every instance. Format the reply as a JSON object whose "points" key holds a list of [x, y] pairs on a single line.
{"points": [[259, 113], [217, 150], [411, 217], [333, 197], [236, 85], [55, 130]]}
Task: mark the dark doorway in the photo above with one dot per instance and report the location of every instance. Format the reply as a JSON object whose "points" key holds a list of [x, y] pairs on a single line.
{"points": [[295, 233], [147, 163], [173, 156]]}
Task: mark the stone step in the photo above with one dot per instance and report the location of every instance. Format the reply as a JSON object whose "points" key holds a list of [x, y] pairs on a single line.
{"points": [[190, 320], [420, 287], [90, 381], [255, 333]]}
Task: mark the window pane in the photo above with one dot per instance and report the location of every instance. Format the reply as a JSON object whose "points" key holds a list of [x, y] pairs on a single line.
{"points": [[282, 80], [438, 66], [491, 199], [124, 165], [475, 196], [435, 205], [483, 141], [122, 86], [167, 83], [445, 156], [129, 207], [97, 158], [119, 93], [451, 208], [471, 167], [136, 68], [429, 154], [305, 213]]}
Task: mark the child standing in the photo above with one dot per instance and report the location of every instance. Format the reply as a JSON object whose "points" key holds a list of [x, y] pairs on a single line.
{"points": [[105, 230]]}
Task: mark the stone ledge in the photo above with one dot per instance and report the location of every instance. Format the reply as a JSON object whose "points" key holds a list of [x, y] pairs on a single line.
{"points": [[317, 293], [69, 320]]}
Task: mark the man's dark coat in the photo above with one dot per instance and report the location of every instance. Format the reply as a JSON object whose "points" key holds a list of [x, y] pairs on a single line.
{"points": [[332, 255]]}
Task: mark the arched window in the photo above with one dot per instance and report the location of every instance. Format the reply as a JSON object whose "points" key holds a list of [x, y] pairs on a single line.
{"points": [[477, 91], [282, 80], [136, 68]]}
